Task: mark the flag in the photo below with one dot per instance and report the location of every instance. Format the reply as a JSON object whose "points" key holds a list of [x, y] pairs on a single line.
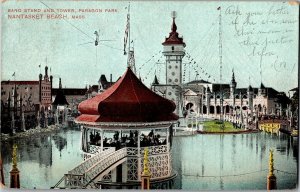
{"points": [[14, 74], [126, 34]]}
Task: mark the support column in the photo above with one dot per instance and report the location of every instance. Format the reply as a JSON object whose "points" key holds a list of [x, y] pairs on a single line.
{"points": [[13, 127], [82, 138], [114, 175], [139, 155], [23, 121], [56, 116], [124, 172], [38, 119], [102, 134], [168, 150], [46, 119], [1, 172]]}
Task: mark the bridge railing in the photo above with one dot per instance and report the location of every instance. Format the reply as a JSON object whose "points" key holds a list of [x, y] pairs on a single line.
{"points": [[84, 166], [83, 174], [106, 162], [73, 180]]}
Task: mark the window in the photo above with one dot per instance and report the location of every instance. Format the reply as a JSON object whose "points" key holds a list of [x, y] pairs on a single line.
{"points": [[170, 67], [173, 73], [169, 93], [170, 80], [176, 80], [172, 48]]}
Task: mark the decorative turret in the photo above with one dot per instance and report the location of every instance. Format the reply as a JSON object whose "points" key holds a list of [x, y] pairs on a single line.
{"points": [[155, 81], [46, 73], [60, 98], [262, 90], [232, 85], [60, 86]]}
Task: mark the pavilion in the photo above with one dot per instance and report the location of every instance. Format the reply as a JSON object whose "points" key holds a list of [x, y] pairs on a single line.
{"points": [[129, 115]]}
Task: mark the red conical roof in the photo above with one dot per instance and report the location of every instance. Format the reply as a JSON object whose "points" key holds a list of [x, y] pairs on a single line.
{"points": [[173, 36], [128, 100]]}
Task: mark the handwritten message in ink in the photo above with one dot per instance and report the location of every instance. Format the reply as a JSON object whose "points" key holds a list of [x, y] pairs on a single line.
{"points": [[265, 33]]}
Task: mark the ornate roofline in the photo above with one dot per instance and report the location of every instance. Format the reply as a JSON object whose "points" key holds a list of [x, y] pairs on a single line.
{"points": [[127, 125]]}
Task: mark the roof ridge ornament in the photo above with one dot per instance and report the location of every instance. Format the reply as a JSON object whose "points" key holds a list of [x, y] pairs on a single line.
{"points": [[174, 27]]}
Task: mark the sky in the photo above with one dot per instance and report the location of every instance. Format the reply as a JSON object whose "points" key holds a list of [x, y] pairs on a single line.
{"points": [[259, 41]]}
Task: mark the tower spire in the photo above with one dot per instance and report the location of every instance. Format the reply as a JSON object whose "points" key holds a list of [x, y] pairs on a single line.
{"points": [[174, 27], [60, 86]]}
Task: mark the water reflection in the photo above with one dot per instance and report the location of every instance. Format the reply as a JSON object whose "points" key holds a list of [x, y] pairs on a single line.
{"points": [[234, 162], [43, 158], [203, 162]]}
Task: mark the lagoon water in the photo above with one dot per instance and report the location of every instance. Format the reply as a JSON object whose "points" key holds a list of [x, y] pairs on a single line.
{"points": [[203, 162]]}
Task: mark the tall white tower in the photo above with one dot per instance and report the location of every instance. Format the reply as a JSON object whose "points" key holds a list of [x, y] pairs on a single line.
{"points": [[174, 52]]}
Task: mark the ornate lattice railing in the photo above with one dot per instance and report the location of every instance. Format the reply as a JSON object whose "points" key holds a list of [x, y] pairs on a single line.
{"points": [[155, 150], [132, 151], [105, 163], [94, 149], [87, 164], [159, 166], [86, 172]]}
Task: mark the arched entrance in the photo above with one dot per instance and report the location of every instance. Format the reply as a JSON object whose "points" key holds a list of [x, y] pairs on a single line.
{"points": [[227, 109], [204, 109]]}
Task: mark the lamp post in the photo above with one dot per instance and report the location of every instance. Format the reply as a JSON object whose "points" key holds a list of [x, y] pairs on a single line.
{"points": [[146, 173], [14, 173]]}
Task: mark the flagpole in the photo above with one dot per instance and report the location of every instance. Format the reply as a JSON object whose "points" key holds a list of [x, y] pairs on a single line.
{"points": [[128, 65]]}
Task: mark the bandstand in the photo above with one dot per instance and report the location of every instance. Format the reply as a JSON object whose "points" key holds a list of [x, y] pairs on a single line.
{"points": [[119, 123]]}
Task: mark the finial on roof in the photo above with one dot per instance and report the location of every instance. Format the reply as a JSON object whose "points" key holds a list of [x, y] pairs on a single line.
{"points": [[155, 81], [262, 86], [174, 27], [60, 86]]}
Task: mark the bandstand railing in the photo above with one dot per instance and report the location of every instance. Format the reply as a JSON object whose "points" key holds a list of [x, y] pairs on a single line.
{"points": [[107, 161], [85, 173], [84, 166]]}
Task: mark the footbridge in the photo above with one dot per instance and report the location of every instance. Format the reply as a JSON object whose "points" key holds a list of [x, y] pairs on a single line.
{"points": [[83, 175]]}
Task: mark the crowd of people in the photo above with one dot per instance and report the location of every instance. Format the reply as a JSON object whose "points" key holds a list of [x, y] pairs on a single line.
{"points": [[126, 140]]}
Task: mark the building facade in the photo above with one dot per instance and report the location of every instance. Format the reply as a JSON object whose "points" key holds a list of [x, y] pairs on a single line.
{"points": [[22, 101]]}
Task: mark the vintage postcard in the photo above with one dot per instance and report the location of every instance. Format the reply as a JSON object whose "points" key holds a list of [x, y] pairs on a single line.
{"points": [[188, 95]]}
